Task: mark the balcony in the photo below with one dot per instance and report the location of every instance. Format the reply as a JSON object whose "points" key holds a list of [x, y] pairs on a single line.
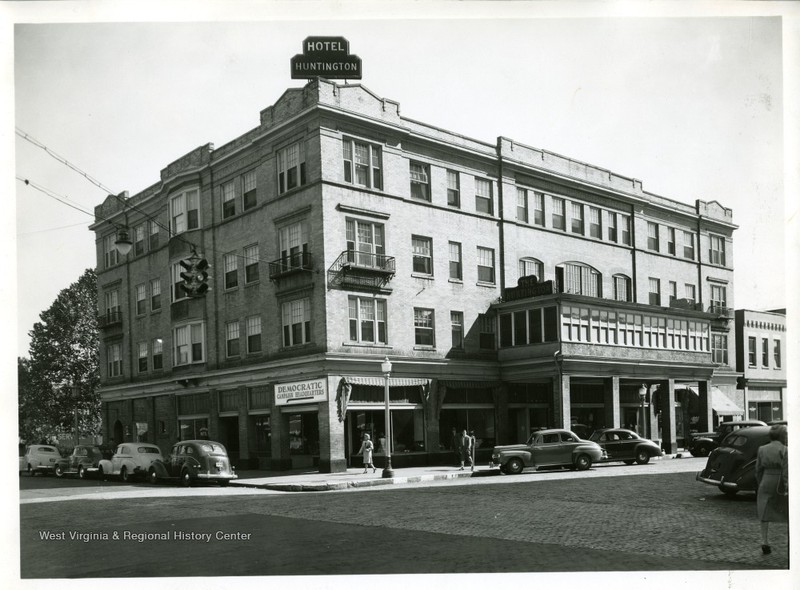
{"points": [[720, 311], [288, 265], [112, 318], [361, 270]]}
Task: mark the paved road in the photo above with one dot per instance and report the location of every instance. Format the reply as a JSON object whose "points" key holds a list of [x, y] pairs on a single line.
{"points": [[654, 520]]}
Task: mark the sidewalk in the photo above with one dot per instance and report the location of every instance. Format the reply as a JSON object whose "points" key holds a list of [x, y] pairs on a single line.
{"points": [[314, 481]]}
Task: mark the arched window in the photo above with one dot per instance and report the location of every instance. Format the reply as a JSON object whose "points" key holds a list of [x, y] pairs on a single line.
{"points": [[578, 278], [530, 266], [622, 288]]}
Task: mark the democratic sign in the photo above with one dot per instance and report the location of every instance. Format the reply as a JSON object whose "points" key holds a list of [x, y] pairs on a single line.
{"points": [[301, 392], [326, 57]]}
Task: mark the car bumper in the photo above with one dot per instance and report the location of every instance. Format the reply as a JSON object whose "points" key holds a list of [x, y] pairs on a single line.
{"points": [[720, 483], [216, 476]]}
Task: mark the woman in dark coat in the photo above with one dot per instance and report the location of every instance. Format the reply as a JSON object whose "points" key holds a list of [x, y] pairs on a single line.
{"points": [[772, 475]]}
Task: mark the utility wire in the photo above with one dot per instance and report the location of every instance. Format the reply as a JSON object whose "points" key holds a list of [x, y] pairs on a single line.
{"points": [[39, 231]]}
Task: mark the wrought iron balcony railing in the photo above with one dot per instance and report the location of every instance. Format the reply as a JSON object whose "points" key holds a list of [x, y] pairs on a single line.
{"points": [[298, 262], [361, 269], [112, 317]]}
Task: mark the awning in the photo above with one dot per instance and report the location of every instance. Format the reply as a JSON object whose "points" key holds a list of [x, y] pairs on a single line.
{"points": [[723, 405], [381, 381], [470, 384]]}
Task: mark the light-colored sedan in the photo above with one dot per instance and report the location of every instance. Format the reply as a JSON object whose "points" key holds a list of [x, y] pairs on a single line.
{"points": [[548, 448], [131, 460], [40, 459]]}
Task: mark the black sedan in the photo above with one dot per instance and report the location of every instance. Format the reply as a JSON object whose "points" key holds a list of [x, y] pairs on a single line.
{"points": [[732, 465], [625, 445]]}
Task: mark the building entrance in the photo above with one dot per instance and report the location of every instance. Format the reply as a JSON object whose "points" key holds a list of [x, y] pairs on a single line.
{"points": [[229, 436]]}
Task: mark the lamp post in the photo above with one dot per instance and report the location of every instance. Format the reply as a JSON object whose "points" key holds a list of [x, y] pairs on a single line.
{"points": [[642, 396], [386, 369]]}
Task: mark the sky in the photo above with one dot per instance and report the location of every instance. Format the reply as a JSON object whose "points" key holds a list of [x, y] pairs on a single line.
{"points": [[697, 100]]}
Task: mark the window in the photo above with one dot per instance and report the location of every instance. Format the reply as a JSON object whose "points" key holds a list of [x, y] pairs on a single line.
{"points": [[453, 189], [522, 205], [751, 351], [228, 200], [294, 245], [777, 353], [112, 306], [143, 357], [455, 261], [232, 339], [625, 228], [716, 251], [158, 354], [138, 239], [652, 236], [231, 270], [622, 288], [420, 181], [296, 322], [457, 329], [155, 294], [719, 348], [538, 209], [765, 352], [531, 267], [177, 281], [365, 243], [110, 250], [292, 167], [141, 299], [672, 288], [251, 264], [655, 291], [253, 325], [612, 227], [189, 343], [367, 320], [595, 223], [580, 279], [423, 327], [559, 219], [362, 164], [249, 190], [185, 211], [422, 250], [577, 218], [688, 245], [483, 196], [153, 236], [114, 359], [719, 295], [690, 292], [485, 265], [487, 331]]}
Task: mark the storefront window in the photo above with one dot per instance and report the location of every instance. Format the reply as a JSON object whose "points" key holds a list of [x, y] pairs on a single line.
{"points": [[408, 430], [263, 432], [481, 420], [303, 434], [195, 428]]}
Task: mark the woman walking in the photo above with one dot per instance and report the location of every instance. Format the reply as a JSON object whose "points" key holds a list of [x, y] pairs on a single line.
{"points": [[773, 480], [366, 452]]}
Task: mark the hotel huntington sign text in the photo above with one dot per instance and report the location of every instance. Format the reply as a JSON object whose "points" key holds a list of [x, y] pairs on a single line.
{"points": [[326, 57]]}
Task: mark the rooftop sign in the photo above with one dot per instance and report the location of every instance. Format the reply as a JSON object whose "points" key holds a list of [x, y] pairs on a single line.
{"points": [[326, 57]]}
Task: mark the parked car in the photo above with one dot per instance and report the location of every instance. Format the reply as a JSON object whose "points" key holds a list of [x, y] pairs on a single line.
{"points": [[41, 459], [84, 460], [625, 445], [192, 461], [130, 460], [731, 466], [23, 465], [551, 447], [700, 444]]}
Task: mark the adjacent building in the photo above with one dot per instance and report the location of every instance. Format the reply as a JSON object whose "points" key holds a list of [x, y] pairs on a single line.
{"points": [[510, 288], [760, 360]]}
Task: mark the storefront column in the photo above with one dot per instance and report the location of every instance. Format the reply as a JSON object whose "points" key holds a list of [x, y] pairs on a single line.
{"points": [[666, 400], [279, 423], [500, 395], [244, 425], [653, 430], [561, 402], [431, 408], [706, 422], [611, 402], [331, 434], [213, 416]]}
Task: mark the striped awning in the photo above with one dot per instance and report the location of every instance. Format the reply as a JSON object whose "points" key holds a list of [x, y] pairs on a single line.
{"points": [[723, 405], [470, 384], [380, 381]]}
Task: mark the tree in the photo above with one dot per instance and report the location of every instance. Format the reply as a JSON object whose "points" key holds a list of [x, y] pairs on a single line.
{"points": [[61, 375]]}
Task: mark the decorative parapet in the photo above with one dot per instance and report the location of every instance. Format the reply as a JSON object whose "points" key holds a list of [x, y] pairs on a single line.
{"points": [[197, 158]]}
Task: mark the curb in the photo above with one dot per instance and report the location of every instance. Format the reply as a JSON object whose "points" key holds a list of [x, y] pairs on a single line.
{"points": [[343, 485]]}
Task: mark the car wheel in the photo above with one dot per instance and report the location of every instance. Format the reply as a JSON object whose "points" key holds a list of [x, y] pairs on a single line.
{"points": [[59, 471], [152, 476], [727, 491], [514, 466], [629, 461], [81, 472], [642, 457], [125, 475], [702, 451], [186, 479], [583, 462]]}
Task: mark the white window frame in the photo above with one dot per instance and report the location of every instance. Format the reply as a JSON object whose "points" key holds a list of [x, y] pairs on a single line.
{"points": [[485, 259], [251, 263], [296, 313], [186, 337], [716, 250], [249, 190], [230, 269], [291, 167], [595, 223], [228, 193], [453, 189], [111, 254], [424, 324], [181, 207], [653, 243], [484, 201], [559, 213], [522, 205], [143, 356], [253, 329], [114, 359], [422, 255], [577, 223], [293, 244], [141, 298], [456, 273], [232, 339], [420, 177], [158, 351], [457, 330], [528, 266], [688, 245], [362, 163], [366, 240], [366, 314], [155, 294]]}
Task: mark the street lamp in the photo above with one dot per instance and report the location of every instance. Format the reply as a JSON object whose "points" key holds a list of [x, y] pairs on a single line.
{"points": [[386, 369], [642, 396]]}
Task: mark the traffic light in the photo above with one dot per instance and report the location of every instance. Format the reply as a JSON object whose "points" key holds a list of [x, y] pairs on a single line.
{"points": [[195, 275]]}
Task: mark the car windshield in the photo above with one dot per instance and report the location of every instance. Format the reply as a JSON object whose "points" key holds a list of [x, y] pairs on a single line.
{"points": [[212, 448], [149, 450]]}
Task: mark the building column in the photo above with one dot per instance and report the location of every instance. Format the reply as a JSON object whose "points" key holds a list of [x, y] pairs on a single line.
{"points": [[279, 424], [244, 426], [561, 402], [331, 434], [213, 415], [706, 423], [666, 394], [500, 395], [611, 402], [652, 418], [430, 410]]}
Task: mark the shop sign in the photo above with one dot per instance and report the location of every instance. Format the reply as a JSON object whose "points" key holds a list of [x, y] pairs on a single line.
{"points": [[326, 57], [301, 392]]}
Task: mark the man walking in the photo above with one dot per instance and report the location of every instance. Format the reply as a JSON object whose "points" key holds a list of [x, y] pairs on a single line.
{"points": [[465, 442], [455, 445]]}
